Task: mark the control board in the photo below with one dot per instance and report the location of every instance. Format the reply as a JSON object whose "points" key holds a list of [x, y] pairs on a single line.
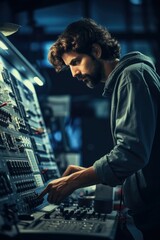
{"points": [[71, 221], [27, 160]]}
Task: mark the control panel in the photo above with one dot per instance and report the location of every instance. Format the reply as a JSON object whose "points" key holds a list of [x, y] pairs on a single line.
{"points": [[70, 220], [27, 160]]}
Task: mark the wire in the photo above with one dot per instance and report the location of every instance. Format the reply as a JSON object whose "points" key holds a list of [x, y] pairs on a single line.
{"points": [[4, 104]]}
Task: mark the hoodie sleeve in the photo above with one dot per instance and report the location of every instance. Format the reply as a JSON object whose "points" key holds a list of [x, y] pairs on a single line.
{"points": [[135, 121]]}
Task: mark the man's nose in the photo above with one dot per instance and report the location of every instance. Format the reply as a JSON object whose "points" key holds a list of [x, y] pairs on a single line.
{"points": [[75, 72]]}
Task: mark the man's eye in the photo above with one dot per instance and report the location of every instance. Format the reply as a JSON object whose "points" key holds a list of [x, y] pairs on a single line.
{"points": [[76, 62]]}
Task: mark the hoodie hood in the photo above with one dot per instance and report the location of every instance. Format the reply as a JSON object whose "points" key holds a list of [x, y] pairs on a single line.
{"points": [[127, 60]]}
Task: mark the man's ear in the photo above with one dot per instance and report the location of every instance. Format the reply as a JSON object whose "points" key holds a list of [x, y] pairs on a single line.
{"points": [[96, 50]]}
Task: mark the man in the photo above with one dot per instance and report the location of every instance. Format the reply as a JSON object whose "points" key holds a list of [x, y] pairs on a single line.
{"points": [[132, 84]]}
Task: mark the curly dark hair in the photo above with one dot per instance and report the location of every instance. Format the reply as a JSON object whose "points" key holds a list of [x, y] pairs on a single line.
{"points": [[79, 37]]}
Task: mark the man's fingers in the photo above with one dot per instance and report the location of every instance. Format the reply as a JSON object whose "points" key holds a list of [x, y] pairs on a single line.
{"points": [[66, 173]]}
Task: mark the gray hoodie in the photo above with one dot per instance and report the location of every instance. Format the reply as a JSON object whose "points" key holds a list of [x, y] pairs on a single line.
{"points": [[134, 161]]}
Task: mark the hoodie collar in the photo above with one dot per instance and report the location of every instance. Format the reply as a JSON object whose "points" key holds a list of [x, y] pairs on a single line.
{"points": [[128, 59]]}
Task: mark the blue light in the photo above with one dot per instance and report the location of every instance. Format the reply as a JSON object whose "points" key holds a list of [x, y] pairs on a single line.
{"points": [[136, 2], [58, 136]]}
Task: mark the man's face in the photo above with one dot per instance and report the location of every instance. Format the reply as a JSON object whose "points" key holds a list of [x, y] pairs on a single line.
{"points": [[86, 68]]}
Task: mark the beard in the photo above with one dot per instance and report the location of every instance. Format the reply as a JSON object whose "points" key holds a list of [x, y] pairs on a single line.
{"points": [[93, 79], [90, 81]]}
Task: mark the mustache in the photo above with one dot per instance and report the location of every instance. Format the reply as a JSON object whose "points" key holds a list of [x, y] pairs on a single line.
{"points": [[81, 76]]}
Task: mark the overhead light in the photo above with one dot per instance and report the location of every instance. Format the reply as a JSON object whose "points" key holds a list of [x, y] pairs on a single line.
{"points": [[29, 85], [136, 2], [3, 46], [38, 81], [16, 74]]}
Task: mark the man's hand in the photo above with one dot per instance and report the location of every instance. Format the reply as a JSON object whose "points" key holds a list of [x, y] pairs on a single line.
{"points": [[58, 190], [73, 178]]}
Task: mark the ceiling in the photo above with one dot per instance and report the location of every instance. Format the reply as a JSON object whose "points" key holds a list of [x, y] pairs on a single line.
{"points": [[136, 23]]}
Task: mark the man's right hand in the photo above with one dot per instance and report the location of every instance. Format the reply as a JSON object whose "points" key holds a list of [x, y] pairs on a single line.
{"points": [[74, 177]]}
